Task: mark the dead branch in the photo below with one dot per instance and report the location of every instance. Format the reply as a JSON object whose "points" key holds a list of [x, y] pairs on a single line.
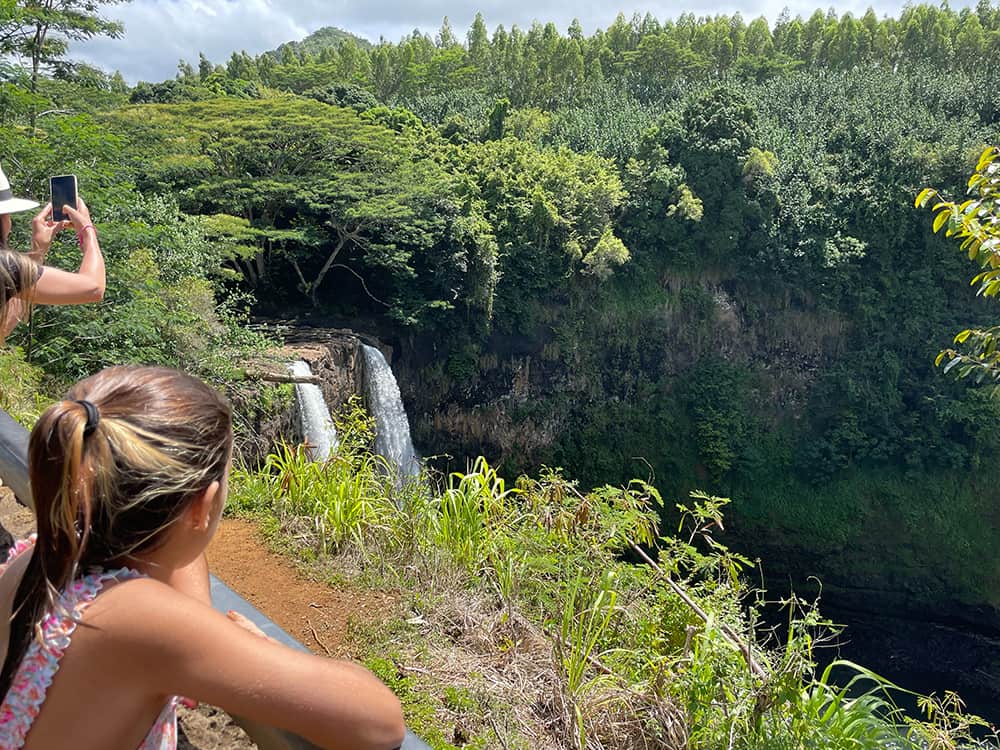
{"points": [[277, 377], [729, 634]]}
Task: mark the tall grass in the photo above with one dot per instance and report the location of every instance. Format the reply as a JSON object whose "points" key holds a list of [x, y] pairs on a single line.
{"points": [[466, 512], [589, 608], [21, 392], [860, 713], [347, 501]]}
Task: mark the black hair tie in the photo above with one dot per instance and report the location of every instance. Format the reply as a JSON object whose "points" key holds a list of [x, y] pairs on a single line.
{"points": [[93, 416]]}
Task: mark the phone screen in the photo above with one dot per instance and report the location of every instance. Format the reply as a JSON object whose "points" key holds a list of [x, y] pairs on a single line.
{"points": [[63, 193]]}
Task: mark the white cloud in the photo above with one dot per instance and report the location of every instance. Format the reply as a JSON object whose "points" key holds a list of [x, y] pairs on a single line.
{"points": [[159, 33]]}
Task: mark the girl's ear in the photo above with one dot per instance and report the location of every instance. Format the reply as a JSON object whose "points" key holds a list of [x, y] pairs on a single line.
{"points": [[200, 511]]}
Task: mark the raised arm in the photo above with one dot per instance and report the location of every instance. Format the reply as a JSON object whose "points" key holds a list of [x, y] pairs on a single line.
{"points": [[58, 287], [43, 231], [182, 647]]}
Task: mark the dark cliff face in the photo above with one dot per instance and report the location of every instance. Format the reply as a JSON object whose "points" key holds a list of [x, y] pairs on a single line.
{"points": [[263, 417], [906, 623], [335, 358], [490, 414], [515, 396]]}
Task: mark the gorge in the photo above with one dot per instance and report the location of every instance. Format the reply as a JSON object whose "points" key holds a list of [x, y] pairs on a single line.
{"points": [[912, 635]]}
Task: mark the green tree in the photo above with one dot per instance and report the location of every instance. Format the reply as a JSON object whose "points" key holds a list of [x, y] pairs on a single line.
{"points": [[288, 56], [205, 67], [758, 40], [479, 41], [330, 189], [10, 24], [971, 41], [185, 71], [43, 29], [242, 67], [659, 60], [552, 213], [792, 40], [446, 37]]}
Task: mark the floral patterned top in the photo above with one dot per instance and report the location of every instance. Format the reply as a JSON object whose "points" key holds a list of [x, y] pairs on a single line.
{"points": [[24, 700]]}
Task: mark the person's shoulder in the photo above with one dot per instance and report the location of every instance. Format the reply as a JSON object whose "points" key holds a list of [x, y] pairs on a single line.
{"points": [[142, 593], [144, 612]]}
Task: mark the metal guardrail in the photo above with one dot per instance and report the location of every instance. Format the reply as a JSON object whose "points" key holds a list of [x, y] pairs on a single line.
{"points": [[14, 458], [14, 472]]}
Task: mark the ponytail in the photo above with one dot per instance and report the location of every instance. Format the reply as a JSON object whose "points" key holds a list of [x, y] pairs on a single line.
{"points": [[61, 474], [112, 468]]}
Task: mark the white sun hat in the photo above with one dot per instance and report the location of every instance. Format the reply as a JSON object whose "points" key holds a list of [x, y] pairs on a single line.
{"points": [[8, 203]]}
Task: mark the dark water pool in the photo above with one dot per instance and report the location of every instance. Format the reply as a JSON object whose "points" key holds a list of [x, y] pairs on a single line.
{"points": [[922, 656]]}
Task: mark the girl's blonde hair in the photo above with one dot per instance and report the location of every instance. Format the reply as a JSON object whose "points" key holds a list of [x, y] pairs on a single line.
{"points": [[112, 467], [18, 275]]}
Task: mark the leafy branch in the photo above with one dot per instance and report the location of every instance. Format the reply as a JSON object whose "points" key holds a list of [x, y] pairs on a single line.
{"points": [[976, 222]]}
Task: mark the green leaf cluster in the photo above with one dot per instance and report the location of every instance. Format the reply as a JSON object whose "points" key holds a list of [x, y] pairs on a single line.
{"points": [[976, 222]]}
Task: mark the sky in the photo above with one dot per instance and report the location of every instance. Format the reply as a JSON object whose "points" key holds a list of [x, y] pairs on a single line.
{"points": [[159, 33]]}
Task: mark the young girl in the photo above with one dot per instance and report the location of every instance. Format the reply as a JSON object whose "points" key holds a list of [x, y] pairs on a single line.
{"points": [[111, 614], [24, 280]]}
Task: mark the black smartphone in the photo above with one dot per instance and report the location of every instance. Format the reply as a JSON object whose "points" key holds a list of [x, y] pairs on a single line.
{"points": [[63, 190]]}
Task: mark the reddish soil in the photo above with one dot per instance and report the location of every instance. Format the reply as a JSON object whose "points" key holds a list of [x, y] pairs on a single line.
{"points": [[315, 614]]}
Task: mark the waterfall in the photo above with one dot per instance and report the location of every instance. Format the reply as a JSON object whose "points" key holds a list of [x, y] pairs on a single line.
{"points": [[392, 429], [314, 416]]}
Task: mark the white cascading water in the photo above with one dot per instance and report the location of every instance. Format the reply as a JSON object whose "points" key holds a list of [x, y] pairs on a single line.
{"points": [[392, 428], [317, 426]]}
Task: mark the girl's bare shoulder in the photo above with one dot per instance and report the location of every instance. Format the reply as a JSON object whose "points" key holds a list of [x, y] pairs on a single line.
{"points": [[142, 617]]}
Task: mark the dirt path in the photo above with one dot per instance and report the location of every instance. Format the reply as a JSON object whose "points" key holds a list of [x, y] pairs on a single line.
{"points": [[315, 614]]}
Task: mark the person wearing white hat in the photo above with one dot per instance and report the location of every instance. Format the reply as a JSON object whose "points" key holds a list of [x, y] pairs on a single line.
{"points": [[25, 281]]}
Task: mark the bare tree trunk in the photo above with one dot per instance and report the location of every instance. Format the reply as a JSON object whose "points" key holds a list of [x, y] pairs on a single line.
{"points": [[247, 270], [260, 263], [304, 285], [311, 288], [41, 31], [36, 60], [342, 240]]}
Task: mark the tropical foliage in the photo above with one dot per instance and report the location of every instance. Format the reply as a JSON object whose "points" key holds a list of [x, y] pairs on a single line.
{"points": [[976, 222]]}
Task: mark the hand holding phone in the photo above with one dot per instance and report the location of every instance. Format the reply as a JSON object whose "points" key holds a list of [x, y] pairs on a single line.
{"points": [[79, 217], [43, 231], [63, 189]]}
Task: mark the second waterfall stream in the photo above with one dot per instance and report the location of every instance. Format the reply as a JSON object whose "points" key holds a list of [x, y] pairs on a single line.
{"points": [[392, 428]]}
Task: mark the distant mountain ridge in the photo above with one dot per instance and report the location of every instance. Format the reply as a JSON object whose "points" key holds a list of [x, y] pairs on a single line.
{"points": [[328, 36]]}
